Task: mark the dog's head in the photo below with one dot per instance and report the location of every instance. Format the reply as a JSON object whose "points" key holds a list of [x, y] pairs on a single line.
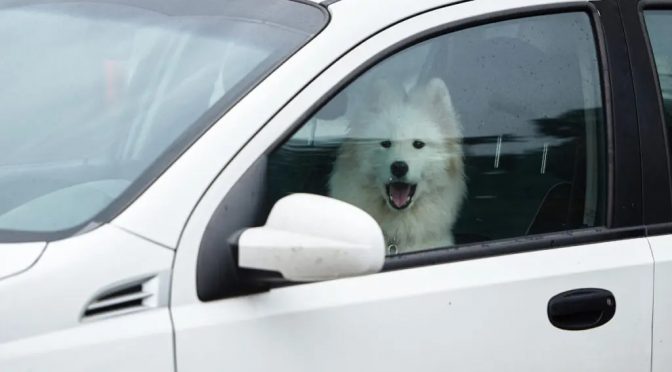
{"points": [[407, 143]]}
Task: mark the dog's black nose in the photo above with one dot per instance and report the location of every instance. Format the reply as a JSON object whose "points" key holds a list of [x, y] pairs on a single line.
{"points": [[399, 168]]}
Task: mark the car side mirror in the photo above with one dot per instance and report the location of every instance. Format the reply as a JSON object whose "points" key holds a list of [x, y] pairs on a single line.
{"points": [[310, 238]]}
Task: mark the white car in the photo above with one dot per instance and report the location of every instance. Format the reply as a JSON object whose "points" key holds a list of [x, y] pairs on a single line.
{"points": [[144, 143]]}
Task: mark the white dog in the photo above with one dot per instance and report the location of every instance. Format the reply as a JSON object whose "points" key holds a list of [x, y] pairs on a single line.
{"points": [[402, 163]]}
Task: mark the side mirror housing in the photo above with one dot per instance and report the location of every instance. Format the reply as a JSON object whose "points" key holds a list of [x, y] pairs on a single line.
{"points": [[311, 238]]}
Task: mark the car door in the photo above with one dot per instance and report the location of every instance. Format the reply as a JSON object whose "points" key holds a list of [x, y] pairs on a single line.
{"points": [[649, 26], [548, 271]]}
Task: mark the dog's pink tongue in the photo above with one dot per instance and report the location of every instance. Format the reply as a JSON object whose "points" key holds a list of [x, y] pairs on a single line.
{"points": [[400, 193]]}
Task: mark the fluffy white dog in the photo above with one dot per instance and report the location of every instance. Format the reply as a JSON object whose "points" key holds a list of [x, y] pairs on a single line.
{"points": [[402, 163]]}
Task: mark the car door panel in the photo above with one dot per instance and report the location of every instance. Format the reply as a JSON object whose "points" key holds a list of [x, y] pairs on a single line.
{"points": [[487, 314], [481, 315]]}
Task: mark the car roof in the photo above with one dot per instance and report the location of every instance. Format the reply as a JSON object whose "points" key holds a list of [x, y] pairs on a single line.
{"points": [[385, 12], [432, 2]]}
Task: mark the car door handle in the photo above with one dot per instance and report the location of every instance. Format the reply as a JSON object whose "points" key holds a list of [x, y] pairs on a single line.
{"points": [[581, 309]]}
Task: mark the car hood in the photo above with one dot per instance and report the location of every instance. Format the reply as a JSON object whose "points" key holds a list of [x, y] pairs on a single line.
{"points": [[18, 257]]}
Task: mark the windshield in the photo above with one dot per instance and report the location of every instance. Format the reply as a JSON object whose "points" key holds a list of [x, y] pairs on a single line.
{"points": [[95, 94]]}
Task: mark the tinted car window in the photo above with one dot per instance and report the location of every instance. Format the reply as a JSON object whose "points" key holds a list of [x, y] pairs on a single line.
{"points": [[659, 25], [486, 133]]}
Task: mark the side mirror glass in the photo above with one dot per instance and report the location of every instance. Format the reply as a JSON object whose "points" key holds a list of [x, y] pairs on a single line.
{"points": [[311, 238]]}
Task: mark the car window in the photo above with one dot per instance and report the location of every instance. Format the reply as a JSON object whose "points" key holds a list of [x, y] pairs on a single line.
{"points": [[99, 97], [485, 133], [659, 26]]}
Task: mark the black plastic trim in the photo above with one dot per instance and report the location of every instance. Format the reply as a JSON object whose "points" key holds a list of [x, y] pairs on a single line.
{"points": [[581, 309], [659, 229], [116, 307], [217, 272], [656, 198], [511, 246], [625, 158], [655, 4], [658, 187]]}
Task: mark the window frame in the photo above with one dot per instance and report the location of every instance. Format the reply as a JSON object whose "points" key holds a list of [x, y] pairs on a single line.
{"points": [[654, 130], [624, 197], [623, 203]]}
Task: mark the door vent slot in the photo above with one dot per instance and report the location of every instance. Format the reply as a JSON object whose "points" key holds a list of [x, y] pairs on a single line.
{"points": [[127, 291], [126, 298]]}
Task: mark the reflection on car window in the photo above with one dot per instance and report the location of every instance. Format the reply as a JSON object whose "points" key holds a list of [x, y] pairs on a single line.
{"points": [[659, 25], [481, 134], [99, 95]]}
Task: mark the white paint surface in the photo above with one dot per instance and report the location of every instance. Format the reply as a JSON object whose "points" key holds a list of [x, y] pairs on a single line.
{"points": [[480, 315], [15, 258], [661, 246], [40, 310]]}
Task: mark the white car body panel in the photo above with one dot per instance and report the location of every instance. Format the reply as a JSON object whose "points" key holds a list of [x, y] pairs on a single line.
{"points": [[662, 318], [480, 315], [140, 342], [45, 305], [15, 258]]}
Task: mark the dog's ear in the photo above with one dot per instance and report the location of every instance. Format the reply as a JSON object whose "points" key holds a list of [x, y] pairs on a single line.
{"points": [[437, 94], [383, 94], [436, 97]]}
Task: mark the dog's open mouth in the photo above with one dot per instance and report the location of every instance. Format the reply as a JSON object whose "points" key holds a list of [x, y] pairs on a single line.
{"points": [[400, 194]]}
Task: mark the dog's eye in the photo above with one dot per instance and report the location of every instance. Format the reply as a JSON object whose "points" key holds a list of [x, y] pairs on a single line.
{"points": [[386, 144], [418, 144]]}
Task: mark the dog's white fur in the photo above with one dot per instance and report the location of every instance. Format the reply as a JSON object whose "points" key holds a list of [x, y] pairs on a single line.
{"points": [[362, 168]]}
